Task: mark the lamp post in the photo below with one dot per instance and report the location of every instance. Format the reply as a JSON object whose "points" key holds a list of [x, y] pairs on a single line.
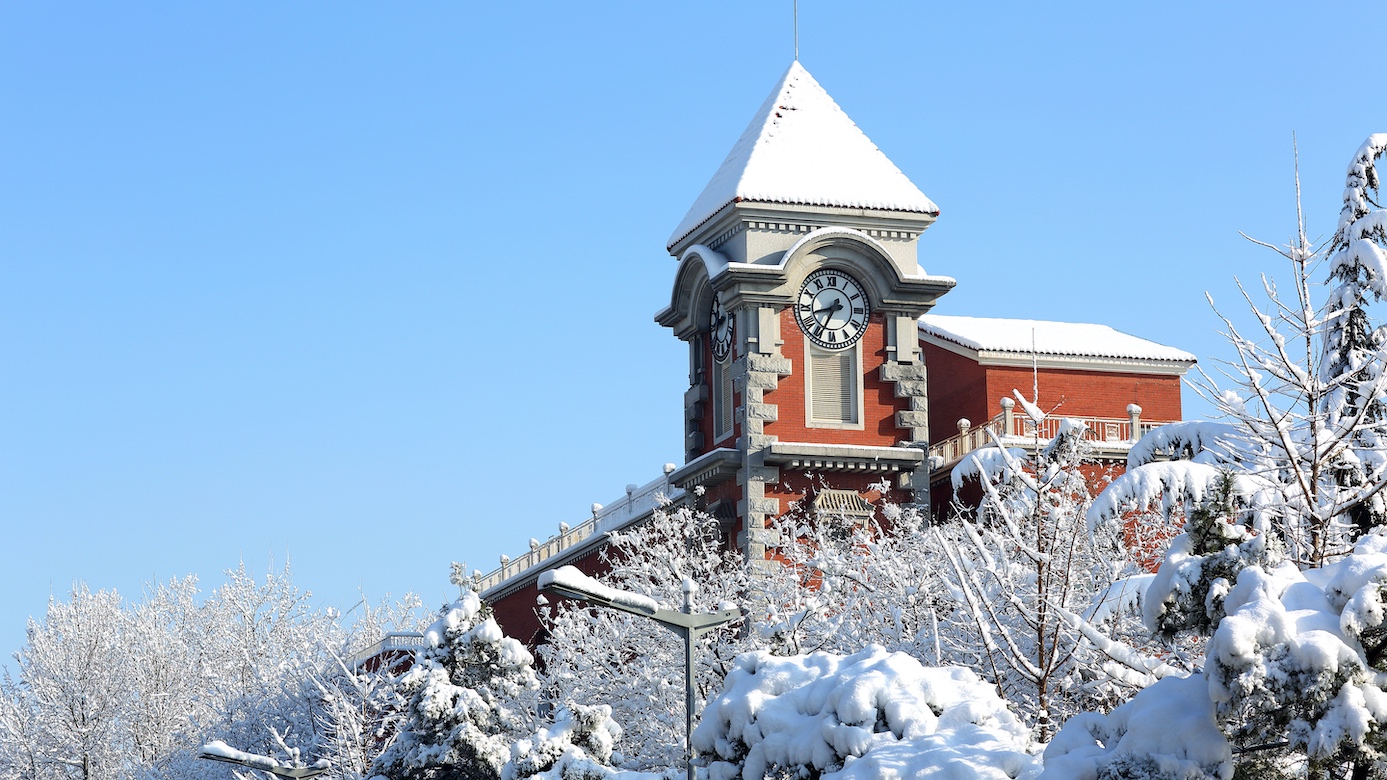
{"points": [[568, 582]]}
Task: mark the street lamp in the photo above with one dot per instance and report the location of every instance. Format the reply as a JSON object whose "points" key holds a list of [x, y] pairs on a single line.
{"points": [[568, 582], [220, 751]]}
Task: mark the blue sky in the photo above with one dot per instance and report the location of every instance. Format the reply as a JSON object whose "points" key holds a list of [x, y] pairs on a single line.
{"points": [[372, 287]]}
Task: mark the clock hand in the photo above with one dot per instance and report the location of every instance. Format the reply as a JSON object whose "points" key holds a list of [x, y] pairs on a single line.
{"points": [[837, 304]]}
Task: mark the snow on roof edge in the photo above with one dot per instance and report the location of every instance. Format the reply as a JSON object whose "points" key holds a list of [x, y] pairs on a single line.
{"points": [[996, 334]]}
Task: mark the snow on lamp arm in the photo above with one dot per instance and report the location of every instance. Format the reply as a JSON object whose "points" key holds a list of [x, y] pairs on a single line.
{"points": [[217, 750], [569, 582]]}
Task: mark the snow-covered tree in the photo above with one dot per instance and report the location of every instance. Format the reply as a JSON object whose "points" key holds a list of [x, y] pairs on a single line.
{"points": [[358, 718], [578, 745], [69, 716], [1352, 367], [844, 582], [264, 643], [1282, 563], [471, 693], [1305, 412], [114, 689], [1033, 583], [603, 657]]}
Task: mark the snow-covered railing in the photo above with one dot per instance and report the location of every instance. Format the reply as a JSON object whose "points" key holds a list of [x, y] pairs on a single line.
{"points": [[403, 641], [1019, 428], [638, 502]]}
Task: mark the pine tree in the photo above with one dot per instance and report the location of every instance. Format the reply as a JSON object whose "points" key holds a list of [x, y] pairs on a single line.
{"points": [[1352, 366], [471, 694], [1283, 562]]}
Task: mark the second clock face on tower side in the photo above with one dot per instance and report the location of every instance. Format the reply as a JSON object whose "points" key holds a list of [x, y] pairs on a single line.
{"points": [[832, 309], [720, 329]]}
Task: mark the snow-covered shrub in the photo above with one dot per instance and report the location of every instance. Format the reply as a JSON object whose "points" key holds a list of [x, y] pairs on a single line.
{"points": [[1220, 539], [1166, 732], [577, 746], [1300, 657], [872, 714], [1299, 661], [471, 694]]}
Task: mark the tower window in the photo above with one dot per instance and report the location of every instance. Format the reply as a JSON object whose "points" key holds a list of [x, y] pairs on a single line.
{"points": [[722, 399], [834, 387]]}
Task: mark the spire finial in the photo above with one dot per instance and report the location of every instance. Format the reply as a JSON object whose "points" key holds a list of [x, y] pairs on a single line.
{"points": [[796, 6]]}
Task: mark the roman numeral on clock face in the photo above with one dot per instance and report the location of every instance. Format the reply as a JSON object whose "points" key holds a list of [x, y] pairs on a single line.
{"points": [[832, 309]]}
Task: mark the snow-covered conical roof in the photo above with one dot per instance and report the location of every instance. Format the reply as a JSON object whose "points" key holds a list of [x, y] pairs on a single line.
{"points": [[801, 148]]}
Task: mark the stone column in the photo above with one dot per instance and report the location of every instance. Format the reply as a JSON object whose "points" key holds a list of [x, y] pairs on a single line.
{"points": [[756, 373], [909, 381], [1008, 416]]}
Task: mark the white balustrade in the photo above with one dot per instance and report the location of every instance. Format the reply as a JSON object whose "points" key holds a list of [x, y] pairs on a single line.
{"points": [[638, 501]]}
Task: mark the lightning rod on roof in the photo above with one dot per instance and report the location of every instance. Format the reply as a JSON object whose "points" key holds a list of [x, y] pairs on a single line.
{"points": [[796, 15]]}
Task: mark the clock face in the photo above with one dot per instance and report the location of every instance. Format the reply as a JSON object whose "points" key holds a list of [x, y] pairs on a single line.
{"points": [[832, 309], [720, 330]]}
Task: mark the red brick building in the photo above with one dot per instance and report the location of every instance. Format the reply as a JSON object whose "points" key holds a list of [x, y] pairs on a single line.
{"points": [[815, 370]]}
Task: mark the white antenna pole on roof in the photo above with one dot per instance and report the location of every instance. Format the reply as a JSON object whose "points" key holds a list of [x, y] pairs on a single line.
{"points": [[1035, 372], [796, 6]]}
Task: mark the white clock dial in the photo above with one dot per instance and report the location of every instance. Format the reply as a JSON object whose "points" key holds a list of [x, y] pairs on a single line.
{"points": [[720, 329], [832, 309]]}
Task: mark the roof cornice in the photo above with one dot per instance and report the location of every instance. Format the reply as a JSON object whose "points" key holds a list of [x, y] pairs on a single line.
{"points": [[989, 357]]}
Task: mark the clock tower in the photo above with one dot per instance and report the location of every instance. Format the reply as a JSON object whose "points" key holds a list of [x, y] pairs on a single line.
{"points": [[798, 292]]}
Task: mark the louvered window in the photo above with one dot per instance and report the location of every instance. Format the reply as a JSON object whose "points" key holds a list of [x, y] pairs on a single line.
{"points": [[833, 386], [722, 399], [838, 511]]}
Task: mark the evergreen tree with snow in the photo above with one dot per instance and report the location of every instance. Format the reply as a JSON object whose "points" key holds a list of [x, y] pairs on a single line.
{"points": [[1352, 366], [471, 693], [578, 745], [1283, 559]]}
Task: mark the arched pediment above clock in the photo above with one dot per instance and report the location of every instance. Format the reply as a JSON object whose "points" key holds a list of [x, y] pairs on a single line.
{"points": [[703, 270], [863, 256], [691, 298]]}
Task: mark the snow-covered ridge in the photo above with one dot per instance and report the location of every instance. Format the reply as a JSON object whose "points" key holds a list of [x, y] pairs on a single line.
{"points": [[801, 148], [995, 334], [636, 504]]}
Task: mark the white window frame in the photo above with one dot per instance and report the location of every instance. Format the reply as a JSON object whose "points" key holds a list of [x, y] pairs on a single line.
{"points": [[810, 421]]}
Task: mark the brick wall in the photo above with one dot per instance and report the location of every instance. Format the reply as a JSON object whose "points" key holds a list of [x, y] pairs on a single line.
{"points": [[879, 402], [959, 387]]}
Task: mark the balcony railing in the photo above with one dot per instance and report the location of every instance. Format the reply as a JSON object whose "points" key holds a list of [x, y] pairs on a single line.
{"points": [[638, 502], [1015, 428]]}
